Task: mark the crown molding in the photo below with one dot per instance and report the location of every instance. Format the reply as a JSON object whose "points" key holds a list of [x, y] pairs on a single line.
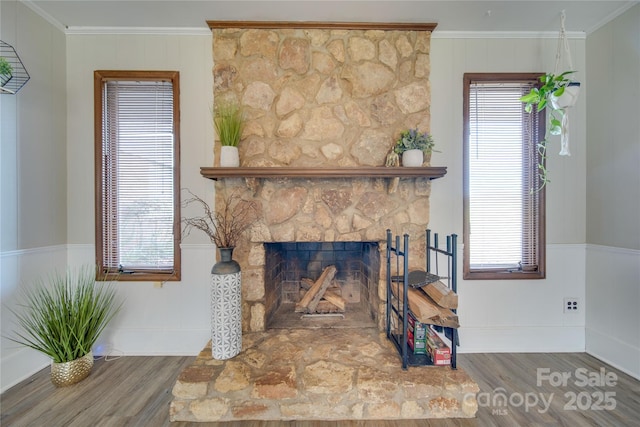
{"points": [[162, 31], [200, 31], [506, 35], [44, 15], [604, 21], [193, 31], [77, 30]]}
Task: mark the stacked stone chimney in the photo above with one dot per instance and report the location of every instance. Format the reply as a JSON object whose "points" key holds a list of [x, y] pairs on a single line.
{"points": [[323, 98]]}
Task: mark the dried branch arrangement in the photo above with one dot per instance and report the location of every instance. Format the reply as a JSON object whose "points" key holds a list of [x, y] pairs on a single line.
{"points": [[226, 225]]}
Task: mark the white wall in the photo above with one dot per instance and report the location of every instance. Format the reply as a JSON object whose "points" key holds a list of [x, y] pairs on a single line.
{"points": [[496, 315], [48, 181], [33, 206], [172, 318], [34, 213], [526, 315], [613, 196]]}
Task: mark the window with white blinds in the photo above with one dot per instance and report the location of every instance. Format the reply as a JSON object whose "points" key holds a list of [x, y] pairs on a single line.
{"points": [[137, 197], [503, 202]]}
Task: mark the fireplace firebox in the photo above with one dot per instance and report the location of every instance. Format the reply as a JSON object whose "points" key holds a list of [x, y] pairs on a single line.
{"points": [[291, 268]]}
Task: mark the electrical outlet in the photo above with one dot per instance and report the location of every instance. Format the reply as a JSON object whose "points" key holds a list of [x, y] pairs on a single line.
{"points": [[571, 305]]}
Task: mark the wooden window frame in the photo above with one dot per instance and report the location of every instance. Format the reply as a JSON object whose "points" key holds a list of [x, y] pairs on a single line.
{"points": [[100, 78], [499, 273]]}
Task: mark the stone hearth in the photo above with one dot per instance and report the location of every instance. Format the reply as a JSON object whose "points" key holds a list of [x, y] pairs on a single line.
{"points": [[319, 374]]}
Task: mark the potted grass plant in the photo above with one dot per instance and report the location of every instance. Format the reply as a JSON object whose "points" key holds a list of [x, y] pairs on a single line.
{"points": [[228, 120], [62, 318]]}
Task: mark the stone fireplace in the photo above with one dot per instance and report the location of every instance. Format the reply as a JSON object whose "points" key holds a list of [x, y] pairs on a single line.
{"points": [[314, 98], [328, 97], [306, 215]]}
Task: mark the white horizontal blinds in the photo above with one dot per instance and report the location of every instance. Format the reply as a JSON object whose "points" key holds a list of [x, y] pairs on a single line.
{"points": [[109, 185], [138, 184], [501, 235], [531, 189]]}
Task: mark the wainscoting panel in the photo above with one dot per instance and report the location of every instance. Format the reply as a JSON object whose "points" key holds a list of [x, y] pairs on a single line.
{"points": [[169, 318], [613, 306], [159, 318], [18, 269], [526, 315]]}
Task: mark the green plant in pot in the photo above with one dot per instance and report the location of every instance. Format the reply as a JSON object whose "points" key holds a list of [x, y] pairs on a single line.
{"points": [[6, 71], [555, 94], [413, 145], [62, 318], [228, 120]]}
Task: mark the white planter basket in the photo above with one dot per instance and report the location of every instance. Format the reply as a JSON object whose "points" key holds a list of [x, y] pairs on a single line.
{"points": [[568, 98]]}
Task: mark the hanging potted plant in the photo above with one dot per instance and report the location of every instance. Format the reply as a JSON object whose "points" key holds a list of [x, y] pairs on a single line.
{"points": [[557, 93], [413, 145], [225, 227], [63, 318], [228, 120]]}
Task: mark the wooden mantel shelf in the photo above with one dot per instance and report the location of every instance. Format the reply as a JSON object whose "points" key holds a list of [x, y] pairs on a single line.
{"points": [[429, 172]]}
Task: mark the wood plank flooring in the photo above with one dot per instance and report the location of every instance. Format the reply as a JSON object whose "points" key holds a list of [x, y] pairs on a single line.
{"points": [[136, 391]]}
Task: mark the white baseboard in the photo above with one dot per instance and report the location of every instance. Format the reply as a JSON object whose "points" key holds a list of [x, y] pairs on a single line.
{"points": [[616, 353], [553, 339], [145, 342], [20, 365], [612, 300]]}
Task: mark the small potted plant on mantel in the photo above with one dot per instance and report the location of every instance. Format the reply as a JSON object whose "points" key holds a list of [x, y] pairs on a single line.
{"points": [[413, 145], [228, 120]]}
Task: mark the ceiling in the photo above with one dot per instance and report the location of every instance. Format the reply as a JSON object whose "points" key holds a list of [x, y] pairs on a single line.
{"points": [[451, 15]]}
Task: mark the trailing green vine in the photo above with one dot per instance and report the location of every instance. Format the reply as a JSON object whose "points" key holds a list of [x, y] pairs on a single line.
{"points": [[541, 98]]}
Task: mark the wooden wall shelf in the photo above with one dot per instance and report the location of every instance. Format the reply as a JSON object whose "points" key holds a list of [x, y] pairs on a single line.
{"points": [[429, 172]]}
